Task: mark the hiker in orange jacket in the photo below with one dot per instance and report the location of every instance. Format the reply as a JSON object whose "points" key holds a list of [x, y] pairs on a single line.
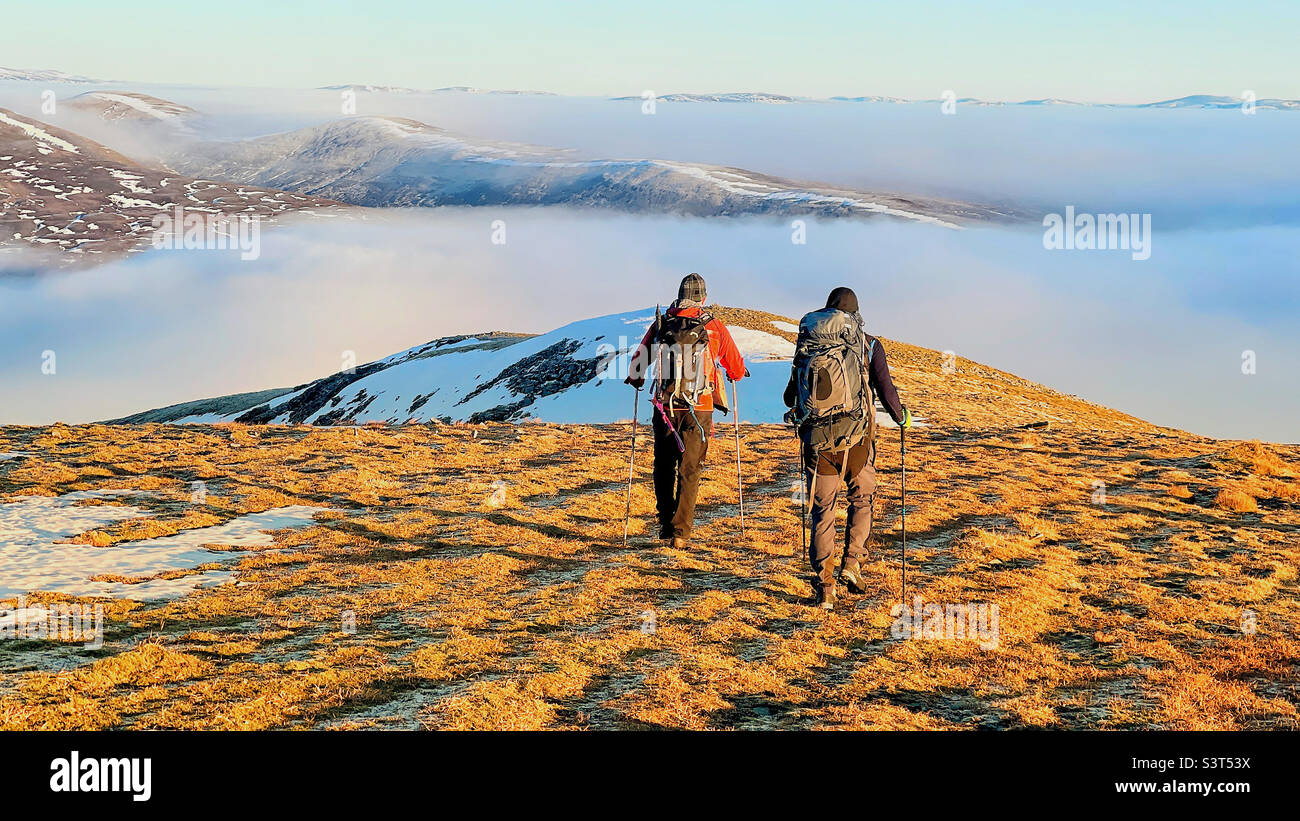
{"points": [[680, 449]]}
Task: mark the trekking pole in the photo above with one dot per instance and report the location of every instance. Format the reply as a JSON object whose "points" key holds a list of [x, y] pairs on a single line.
{"points": [[740, 486], [631, 464], [902, 459], [803, 500]]}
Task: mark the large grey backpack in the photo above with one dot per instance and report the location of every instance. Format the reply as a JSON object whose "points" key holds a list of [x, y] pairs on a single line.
{"points": [[835, 408]]}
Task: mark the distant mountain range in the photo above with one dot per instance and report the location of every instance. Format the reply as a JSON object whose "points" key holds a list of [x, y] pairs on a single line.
{"points": [[43, 76], [1191, 101], [61, 191], [371, 89], [732, 97], [391, 162], [1213, 101]]}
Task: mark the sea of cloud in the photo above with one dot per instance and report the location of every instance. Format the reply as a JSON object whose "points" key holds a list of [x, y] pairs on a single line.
{"points": [[1162, 338]]}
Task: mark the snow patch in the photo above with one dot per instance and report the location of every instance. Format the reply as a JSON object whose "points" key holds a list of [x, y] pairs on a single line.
{"points": [[143, 106], [123, 201], [39, 134], [761, 345], [33, 559]]}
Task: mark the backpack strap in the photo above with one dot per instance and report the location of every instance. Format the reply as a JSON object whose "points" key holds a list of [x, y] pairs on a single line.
{"points": [[869, 347]]}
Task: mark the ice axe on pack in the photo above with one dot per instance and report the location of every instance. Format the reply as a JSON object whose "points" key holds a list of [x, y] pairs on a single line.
{"points": [[663, 414]]}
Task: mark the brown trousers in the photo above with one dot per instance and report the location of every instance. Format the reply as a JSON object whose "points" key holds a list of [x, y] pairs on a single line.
{"points": [[677, 474], [825, 486]]}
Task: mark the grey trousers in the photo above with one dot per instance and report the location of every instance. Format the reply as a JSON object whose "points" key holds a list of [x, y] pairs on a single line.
{"points": [[825, 494]]}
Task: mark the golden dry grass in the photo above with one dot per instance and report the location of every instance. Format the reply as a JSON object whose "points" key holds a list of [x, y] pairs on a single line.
{"points": [[1122, 610], [1230, 499]]}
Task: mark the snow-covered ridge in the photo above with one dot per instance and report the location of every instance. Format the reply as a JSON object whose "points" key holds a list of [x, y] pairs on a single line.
{"points": [[370, 89], [390, 161], [727, 97], [119, 105], [382, 89], [43, 76], [45, 141], [1209, 101], [65, 193], [573, 374]]}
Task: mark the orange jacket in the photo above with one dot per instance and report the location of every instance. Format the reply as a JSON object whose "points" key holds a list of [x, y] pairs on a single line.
{"points": [[721, 346]]}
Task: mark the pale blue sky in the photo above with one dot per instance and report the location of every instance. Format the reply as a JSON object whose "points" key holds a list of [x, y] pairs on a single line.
{"points": [[1100, 50]]}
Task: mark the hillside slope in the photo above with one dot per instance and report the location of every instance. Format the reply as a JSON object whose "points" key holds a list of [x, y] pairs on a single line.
{"points": [[131, 106], [391, 161], [575, 373], [62, 192], [475, 577]]}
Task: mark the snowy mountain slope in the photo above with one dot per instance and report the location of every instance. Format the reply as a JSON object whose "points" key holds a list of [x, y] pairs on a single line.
{"points": [[573, 374], [1218, 101], [63, 192], [388, 161], [1190, 101], [381, 89], [726, 97], [43, 76], [131, 106], [370, 89], [869, 98]]}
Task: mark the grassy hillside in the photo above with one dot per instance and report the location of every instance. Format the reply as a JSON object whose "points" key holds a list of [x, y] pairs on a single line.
{"points": [[491, 588]]}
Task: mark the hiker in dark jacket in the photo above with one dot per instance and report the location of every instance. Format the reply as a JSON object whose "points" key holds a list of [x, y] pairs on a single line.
{"points": [[824, 469], [677, 468]]}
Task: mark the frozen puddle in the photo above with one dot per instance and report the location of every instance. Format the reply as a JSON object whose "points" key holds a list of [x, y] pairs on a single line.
{"points": [[32, 560]]}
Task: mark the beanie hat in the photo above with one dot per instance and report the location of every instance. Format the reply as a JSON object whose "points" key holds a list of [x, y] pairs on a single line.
{"points": [[843, 299]]}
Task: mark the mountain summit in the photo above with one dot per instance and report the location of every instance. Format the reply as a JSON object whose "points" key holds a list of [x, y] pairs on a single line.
{"points": [[574, 374]]}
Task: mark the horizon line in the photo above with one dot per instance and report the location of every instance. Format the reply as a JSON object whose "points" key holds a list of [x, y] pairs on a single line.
{"points": [[791, 98]]}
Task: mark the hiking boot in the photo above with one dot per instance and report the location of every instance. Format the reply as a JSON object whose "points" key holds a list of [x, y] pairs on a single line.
{"points": [[824, 597], [665, 533], [851, 575], [679, 543]]}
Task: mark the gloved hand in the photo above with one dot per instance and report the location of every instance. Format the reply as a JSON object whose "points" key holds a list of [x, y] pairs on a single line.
{"points": [[907, 418], [635, 381], [790, 418]]}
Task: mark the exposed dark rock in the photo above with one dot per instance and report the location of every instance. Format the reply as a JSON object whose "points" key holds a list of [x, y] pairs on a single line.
{"points": [[310, 400], [501, 413], [549, 371]]}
